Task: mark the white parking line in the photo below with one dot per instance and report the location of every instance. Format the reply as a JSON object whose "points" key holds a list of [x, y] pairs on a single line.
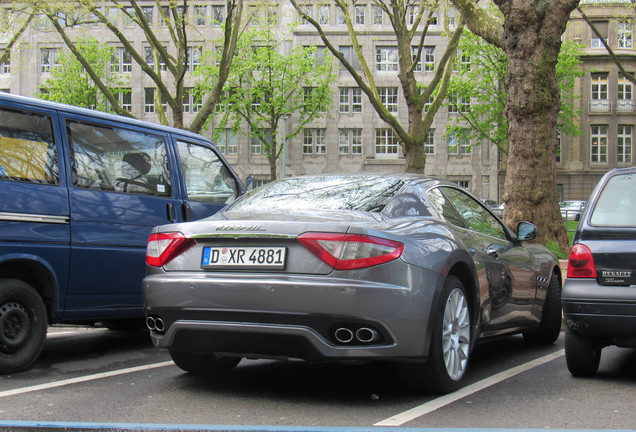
{"points": [[412, 414], [55, 384]]}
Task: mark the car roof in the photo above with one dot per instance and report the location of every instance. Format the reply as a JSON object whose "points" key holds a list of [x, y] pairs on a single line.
{"points": [[34, 103]]}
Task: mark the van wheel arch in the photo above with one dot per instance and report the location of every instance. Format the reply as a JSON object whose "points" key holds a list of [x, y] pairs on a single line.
{"points": [[35, 274]]}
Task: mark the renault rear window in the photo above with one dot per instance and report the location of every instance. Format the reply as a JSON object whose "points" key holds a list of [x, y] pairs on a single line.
{"points": [[616, 206]]}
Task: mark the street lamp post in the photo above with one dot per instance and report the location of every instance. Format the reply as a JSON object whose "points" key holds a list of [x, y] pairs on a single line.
{"points": [[284, 173]]}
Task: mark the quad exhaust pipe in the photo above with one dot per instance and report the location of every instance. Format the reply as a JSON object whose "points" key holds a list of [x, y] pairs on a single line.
{"points": [[364, 335], [155, 324]]}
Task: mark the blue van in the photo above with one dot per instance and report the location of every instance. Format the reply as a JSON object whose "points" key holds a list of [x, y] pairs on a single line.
{"points": [[80, 191]]}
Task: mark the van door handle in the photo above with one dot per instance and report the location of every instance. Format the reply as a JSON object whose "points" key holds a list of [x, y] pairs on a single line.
{"points": [[170, 212], [187, 212]]}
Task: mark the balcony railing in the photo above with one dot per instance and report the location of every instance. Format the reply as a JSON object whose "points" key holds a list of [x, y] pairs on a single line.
{"points": [[612, 106]]}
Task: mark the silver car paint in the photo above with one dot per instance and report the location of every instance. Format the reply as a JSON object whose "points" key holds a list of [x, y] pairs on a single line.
{"points": [[380, 294]]}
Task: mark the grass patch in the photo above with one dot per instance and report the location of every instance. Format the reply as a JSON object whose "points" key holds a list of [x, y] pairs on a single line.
{"points": [[554, 247]]}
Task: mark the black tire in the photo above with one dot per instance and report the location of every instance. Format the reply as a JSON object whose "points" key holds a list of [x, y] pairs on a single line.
{"points": [[551, 317], [23, 325], [204, 364], [450, 344], [582, 354]]}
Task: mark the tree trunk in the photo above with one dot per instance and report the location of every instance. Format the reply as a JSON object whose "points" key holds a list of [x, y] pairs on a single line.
{"points": [[532, 40], [414, 154]]}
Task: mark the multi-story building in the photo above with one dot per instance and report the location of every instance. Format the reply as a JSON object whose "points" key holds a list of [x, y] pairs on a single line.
{"points": [[608, 110], [352, 137]]}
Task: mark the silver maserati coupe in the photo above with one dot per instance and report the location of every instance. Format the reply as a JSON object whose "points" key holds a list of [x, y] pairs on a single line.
{"points": [[399, 268]]}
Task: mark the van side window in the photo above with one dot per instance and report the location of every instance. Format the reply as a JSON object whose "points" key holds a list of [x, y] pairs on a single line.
{"points": [[119, 160], [27, 148], [206, 177]]}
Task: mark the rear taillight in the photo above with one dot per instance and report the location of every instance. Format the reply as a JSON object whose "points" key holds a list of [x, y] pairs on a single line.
{"points": [[163, 247], [581, 262], [351, 251]]}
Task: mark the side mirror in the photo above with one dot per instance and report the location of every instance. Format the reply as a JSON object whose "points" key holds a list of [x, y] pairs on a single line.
{"points": [[526, 231]]}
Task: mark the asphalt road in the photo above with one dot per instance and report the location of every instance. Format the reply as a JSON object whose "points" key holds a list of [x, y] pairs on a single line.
{"points": [[100, 379]]}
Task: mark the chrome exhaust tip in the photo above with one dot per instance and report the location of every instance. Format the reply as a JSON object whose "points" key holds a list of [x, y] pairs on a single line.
{"points": [[343, 335], [151, 323], [366, 335], [159, 325]]}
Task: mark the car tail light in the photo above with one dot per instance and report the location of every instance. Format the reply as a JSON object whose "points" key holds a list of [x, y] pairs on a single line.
{"points": [[581, 262], [351, 251], [163, 247]]}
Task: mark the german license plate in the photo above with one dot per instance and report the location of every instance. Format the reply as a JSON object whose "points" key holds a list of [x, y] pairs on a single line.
{"points": [[244, 257]]}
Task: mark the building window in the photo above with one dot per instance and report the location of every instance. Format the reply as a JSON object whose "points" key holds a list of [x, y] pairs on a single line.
{"points": [[218, 15], [625, 35], [340, 18], [451, 15], [412, 14], [49, 59], [5, 68], [321, 52], [360, 12], [150, 59], [389, 98], [112, 15], [625, 102], [191, 101], [193, 57], [598, 94], [350, 100], [200, 15], [601, 26], [227, 142], [314, 141], [386, 59], [256, 145], [323, 14], [598, 150], [147, 13], [418, 66], [94, 23], [129, 12], [350, 56], [624, 147], [121, 61], [306, 10], [124, 98], [457, 104], [386, 143], [429, 103], [458, 145], [350, 141], [149, 100], [559, 147], [378, 15], [429, 144]]}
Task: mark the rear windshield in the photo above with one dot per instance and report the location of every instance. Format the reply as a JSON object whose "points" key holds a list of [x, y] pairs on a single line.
{"points": [[326, 193], [616, 205]]}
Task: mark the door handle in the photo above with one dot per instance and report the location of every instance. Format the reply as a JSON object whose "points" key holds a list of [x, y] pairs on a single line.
{"points": [[493, 253], [170, 213], [187, 212]]}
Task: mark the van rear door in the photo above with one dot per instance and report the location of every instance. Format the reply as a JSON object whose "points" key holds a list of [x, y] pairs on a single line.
{"points": [[120, 187]]}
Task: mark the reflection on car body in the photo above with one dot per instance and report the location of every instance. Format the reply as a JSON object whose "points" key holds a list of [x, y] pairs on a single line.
{"points": [[599, 297], [401, 268]]}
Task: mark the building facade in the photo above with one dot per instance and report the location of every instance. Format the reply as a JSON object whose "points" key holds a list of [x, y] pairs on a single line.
{"points": [[352, 138], [606, 97]]}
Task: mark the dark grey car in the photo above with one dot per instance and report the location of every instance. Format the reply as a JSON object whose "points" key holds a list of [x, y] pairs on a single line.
{"points": [[599, 295], [366, 267]]}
